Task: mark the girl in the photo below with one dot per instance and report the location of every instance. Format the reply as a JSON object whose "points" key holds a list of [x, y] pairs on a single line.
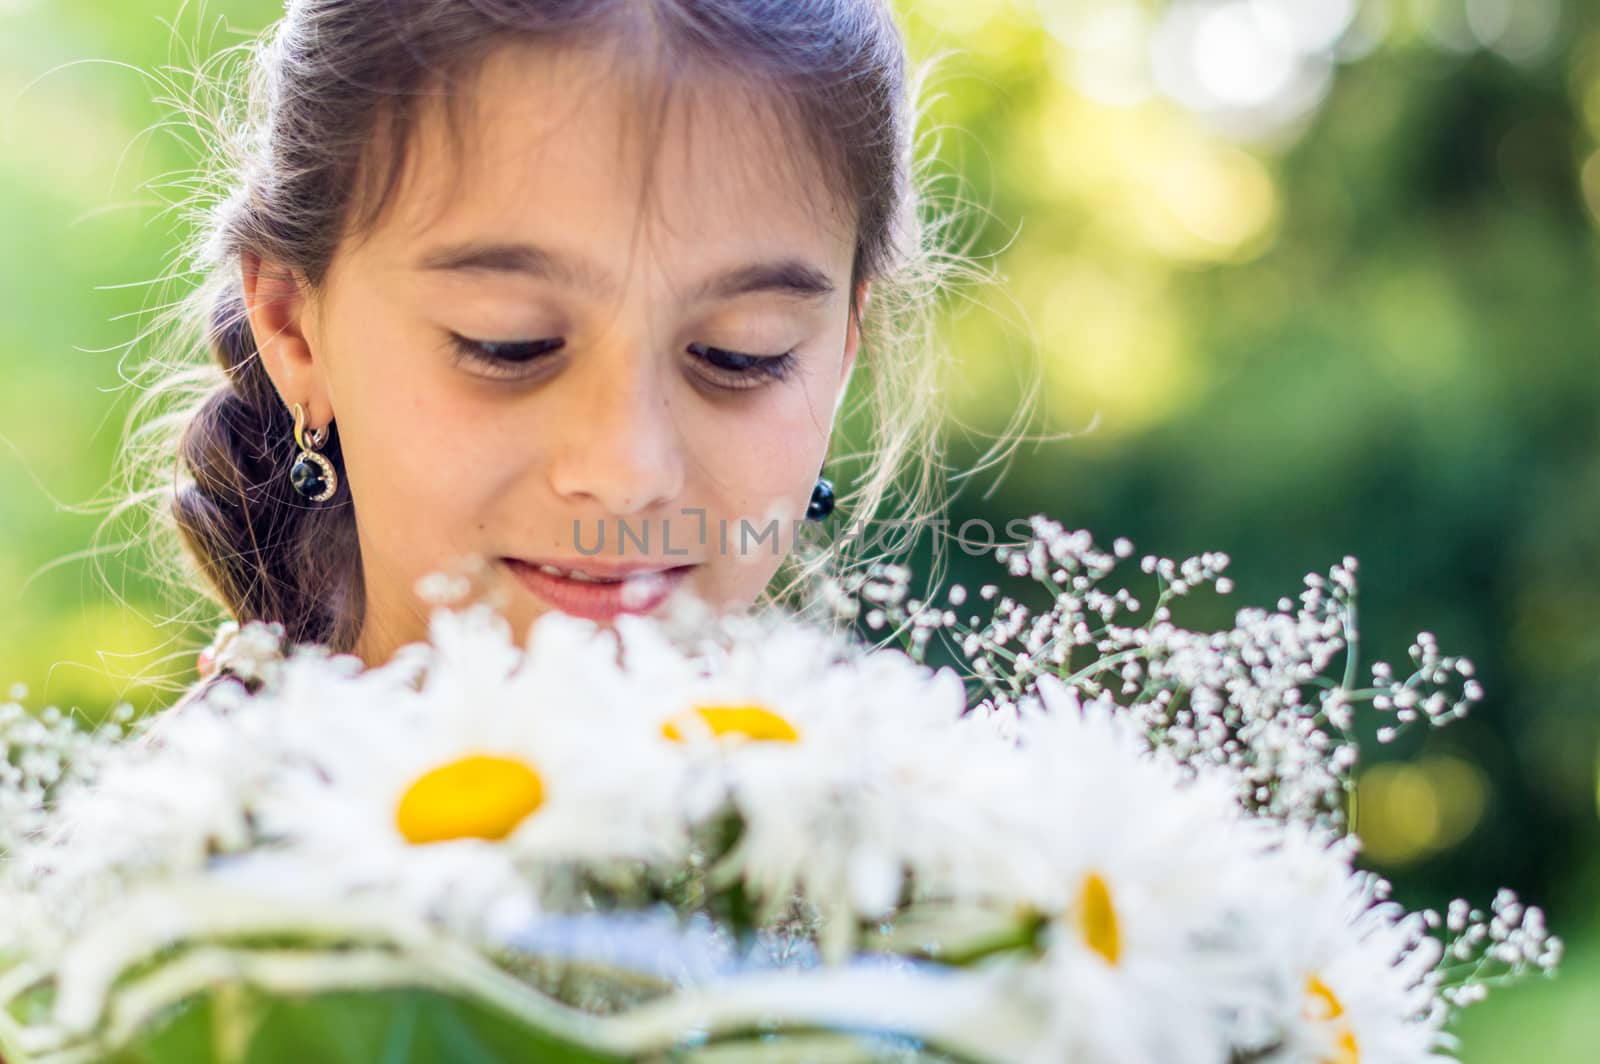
{"points": [[570, 291]]}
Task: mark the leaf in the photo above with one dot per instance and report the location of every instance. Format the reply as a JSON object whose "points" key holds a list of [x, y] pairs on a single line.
{"points": [[394, 1026]]}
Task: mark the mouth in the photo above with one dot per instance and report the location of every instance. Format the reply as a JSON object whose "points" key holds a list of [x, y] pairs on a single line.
{"points": [[597, 590]]}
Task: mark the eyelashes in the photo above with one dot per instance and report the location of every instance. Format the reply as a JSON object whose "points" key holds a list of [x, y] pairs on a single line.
{"points": [[510, 356], [722, 368], [749, 367]]}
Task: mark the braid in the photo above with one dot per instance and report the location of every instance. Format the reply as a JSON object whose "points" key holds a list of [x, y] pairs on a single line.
{"points": [[267, 553]]}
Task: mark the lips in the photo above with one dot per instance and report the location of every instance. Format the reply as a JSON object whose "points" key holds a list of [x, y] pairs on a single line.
{"points": [[597, 590]]}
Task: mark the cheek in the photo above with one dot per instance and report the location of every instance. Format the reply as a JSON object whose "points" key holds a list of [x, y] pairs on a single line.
{"points": [[782, 435], [412, 454], [765, 455], [763, 462]]}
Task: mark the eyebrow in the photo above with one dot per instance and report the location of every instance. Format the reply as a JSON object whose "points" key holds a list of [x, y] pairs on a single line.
{"points": [[791, 277]]}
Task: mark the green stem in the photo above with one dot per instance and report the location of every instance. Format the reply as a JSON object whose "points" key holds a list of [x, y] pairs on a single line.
{"points": [[1352, 642]]}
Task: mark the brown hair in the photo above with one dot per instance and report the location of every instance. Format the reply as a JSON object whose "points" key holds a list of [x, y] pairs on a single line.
{"points": [[304, 157]]}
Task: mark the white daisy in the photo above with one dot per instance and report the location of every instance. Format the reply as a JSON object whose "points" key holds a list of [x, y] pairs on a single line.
{"points": [[452, 778], [493, 767], [826, 752], [1356, 974], [152, 809], [1152, 873]]}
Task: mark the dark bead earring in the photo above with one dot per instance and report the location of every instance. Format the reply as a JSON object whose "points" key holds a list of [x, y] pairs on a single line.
{"points": [[312, 474], [821, 501]]}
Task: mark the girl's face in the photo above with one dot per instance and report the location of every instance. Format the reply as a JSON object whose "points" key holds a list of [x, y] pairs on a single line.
{"points": [[540, 356]]}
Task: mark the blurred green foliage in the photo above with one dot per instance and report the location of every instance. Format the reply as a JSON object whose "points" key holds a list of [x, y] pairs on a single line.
{"points": [[1371, 328]]}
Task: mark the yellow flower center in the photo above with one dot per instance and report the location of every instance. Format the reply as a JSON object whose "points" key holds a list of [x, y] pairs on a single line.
{"points": [[754, 723], [477, 797], [1324, 1005], [1096, 918]]}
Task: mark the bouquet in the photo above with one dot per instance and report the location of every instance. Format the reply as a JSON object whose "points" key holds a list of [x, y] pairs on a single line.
{"points": [[1092, 836]]}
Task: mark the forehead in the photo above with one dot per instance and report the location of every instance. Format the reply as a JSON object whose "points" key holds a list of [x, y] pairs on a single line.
{"points": [[592, 149]]}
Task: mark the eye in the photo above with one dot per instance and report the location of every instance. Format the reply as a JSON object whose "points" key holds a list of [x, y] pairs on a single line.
{"points": [[737, 371], [509, 359]]}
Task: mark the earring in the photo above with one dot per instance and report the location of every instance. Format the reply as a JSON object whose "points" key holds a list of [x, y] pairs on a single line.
{"points": [[821, 501], [312, 474]]}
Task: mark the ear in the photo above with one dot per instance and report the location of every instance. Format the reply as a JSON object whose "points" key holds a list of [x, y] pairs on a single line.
{"points": [[276, 303], [852, 342]]}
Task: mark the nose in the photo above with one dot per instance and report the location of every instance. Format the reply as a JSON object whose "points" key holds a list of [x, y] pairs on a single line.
{"points": [[619, 448]]}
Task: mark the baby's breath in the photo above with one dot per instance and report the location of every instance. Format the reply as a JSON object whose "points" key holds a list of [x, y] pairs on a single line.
{"points": [[1271, 702], [1493, 948], [1272, 698], [39, 754]]}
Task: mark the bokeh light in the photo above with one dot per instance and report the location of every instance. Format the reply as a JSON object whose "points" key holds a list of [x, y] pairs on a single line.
{"points": [[1409, 811]]}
